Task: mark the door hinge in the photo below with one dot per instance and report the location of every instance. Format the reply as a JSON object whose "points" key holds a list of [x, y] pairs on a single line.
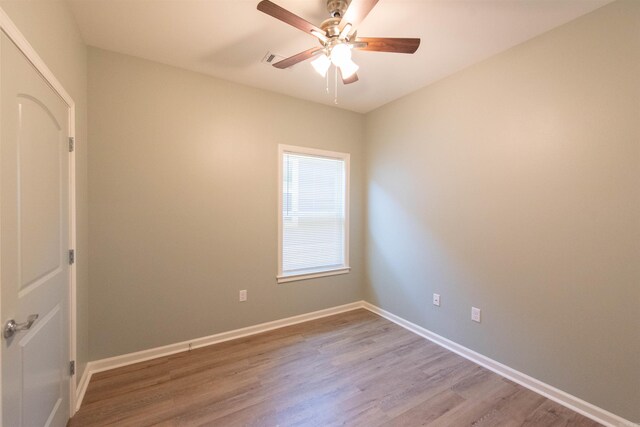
{"points": [[72, 144], [72, 368], [72, 256]]}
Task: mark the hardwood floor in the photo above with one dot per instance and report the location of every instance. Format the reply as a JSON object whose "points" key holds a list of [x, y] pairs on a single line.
{"points": [[354, 368]]}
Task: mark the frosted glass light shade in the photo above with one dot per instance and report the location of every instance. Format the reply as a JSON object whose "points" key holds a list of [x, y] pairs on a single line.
{"points": [[348, 69], [340, 54], [321, 64]]}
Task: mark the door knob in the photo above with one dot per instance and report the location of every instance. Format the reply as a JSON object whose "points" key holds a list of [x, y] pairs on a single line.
{"points": [[11, 327]]}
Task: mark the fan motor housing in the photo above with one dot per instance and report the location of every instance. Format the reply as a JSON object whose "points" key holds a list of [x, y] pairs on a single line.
{"points": [[331, 27]]}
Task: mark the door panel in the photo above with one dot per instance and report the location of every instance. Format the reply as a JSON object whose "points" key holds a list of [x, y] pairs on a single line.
{"points": [[39, 191], [34, 239], [41, 375]]}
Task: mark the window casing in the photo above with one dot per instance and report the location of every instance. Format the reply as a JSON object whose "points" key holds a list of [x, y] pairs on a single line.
{"points": [[313, 213]]}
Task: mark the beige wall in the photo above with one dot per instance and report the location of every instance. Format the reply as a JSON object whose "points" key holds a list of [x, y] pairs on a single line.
{"points": [[511, 186], [514, 186], [183, 203], [50, 28]]}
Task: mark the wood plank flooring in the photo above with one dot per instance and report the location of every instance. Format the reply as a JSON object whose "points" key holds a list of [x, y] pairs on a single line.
{"points": [[354, 369]]}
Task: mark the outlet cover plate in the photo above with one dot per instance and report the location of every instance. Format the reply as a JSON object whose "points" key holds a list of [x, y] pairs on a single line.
{"points": [[475, 314]]}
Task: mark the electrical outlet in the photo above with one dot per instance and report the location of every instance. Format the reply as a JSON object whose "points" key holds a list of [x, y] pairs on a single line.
{"points": [[436, 299], [475, 314], [243, 295]]}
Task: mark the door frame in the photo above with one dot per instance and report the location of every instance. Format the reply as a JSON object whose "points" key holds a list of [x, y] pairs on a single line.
{"points": [[12, 31]]}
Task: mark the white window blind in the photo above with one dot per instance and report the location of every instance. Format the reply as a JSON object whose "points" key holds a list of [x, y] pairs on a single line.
{"points": [[314, 212]]}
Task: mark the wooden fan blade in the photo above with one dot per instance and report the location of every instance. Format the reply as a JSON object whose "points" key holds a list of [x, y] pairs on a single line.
{"points": [[386, 44], [356, 12], [287, 17], [302, 56], [352, 79]]}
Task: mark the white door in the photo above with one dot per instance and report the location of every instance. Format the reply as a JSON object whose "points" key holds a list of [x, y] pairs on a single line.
{"points": [[34, 235]]}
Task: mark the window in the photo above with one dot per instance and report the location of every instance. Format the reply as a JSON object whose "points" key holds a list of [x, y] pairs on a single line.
{"points": [[313, 217]]}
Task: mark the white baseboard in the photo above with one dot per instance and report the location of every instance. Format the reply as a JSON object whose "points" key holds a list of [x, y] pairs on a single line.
{"points": [[153, 353], [565, 399], [81, 388]]}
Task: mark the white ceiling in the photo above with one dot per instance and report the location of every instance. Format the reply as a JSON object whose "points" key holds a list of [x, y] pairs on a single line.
{"points": [[229, 38]]}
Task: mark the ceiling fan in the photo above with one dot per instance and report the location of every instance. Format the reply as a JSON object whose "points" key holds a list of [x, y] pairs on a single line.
{"points": [[337, 36]]}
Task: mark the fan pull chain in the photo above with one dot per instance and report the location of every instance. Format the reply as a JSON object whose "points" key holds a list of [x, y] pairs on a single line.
{"points": [[327, 81], [335, 87]]}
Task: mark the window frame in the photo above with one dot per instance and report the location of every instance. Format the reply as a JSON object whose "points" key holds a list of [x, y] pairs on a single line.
{"points": [[282, 149]]}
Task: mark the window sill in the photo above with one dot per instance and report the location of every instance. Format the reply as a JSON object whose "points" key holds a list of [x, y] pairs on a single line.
{"points": [[305, 276]]}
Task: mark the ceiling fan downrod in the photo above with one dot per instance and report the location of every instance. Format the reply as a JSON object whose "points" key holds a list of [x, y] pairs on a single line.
{"points": [[337, 8]]}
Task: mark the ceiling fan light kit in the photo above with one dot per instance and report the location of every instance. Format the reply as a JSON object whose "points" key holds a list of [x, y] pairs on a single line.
{"points": [[337, 36]]}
